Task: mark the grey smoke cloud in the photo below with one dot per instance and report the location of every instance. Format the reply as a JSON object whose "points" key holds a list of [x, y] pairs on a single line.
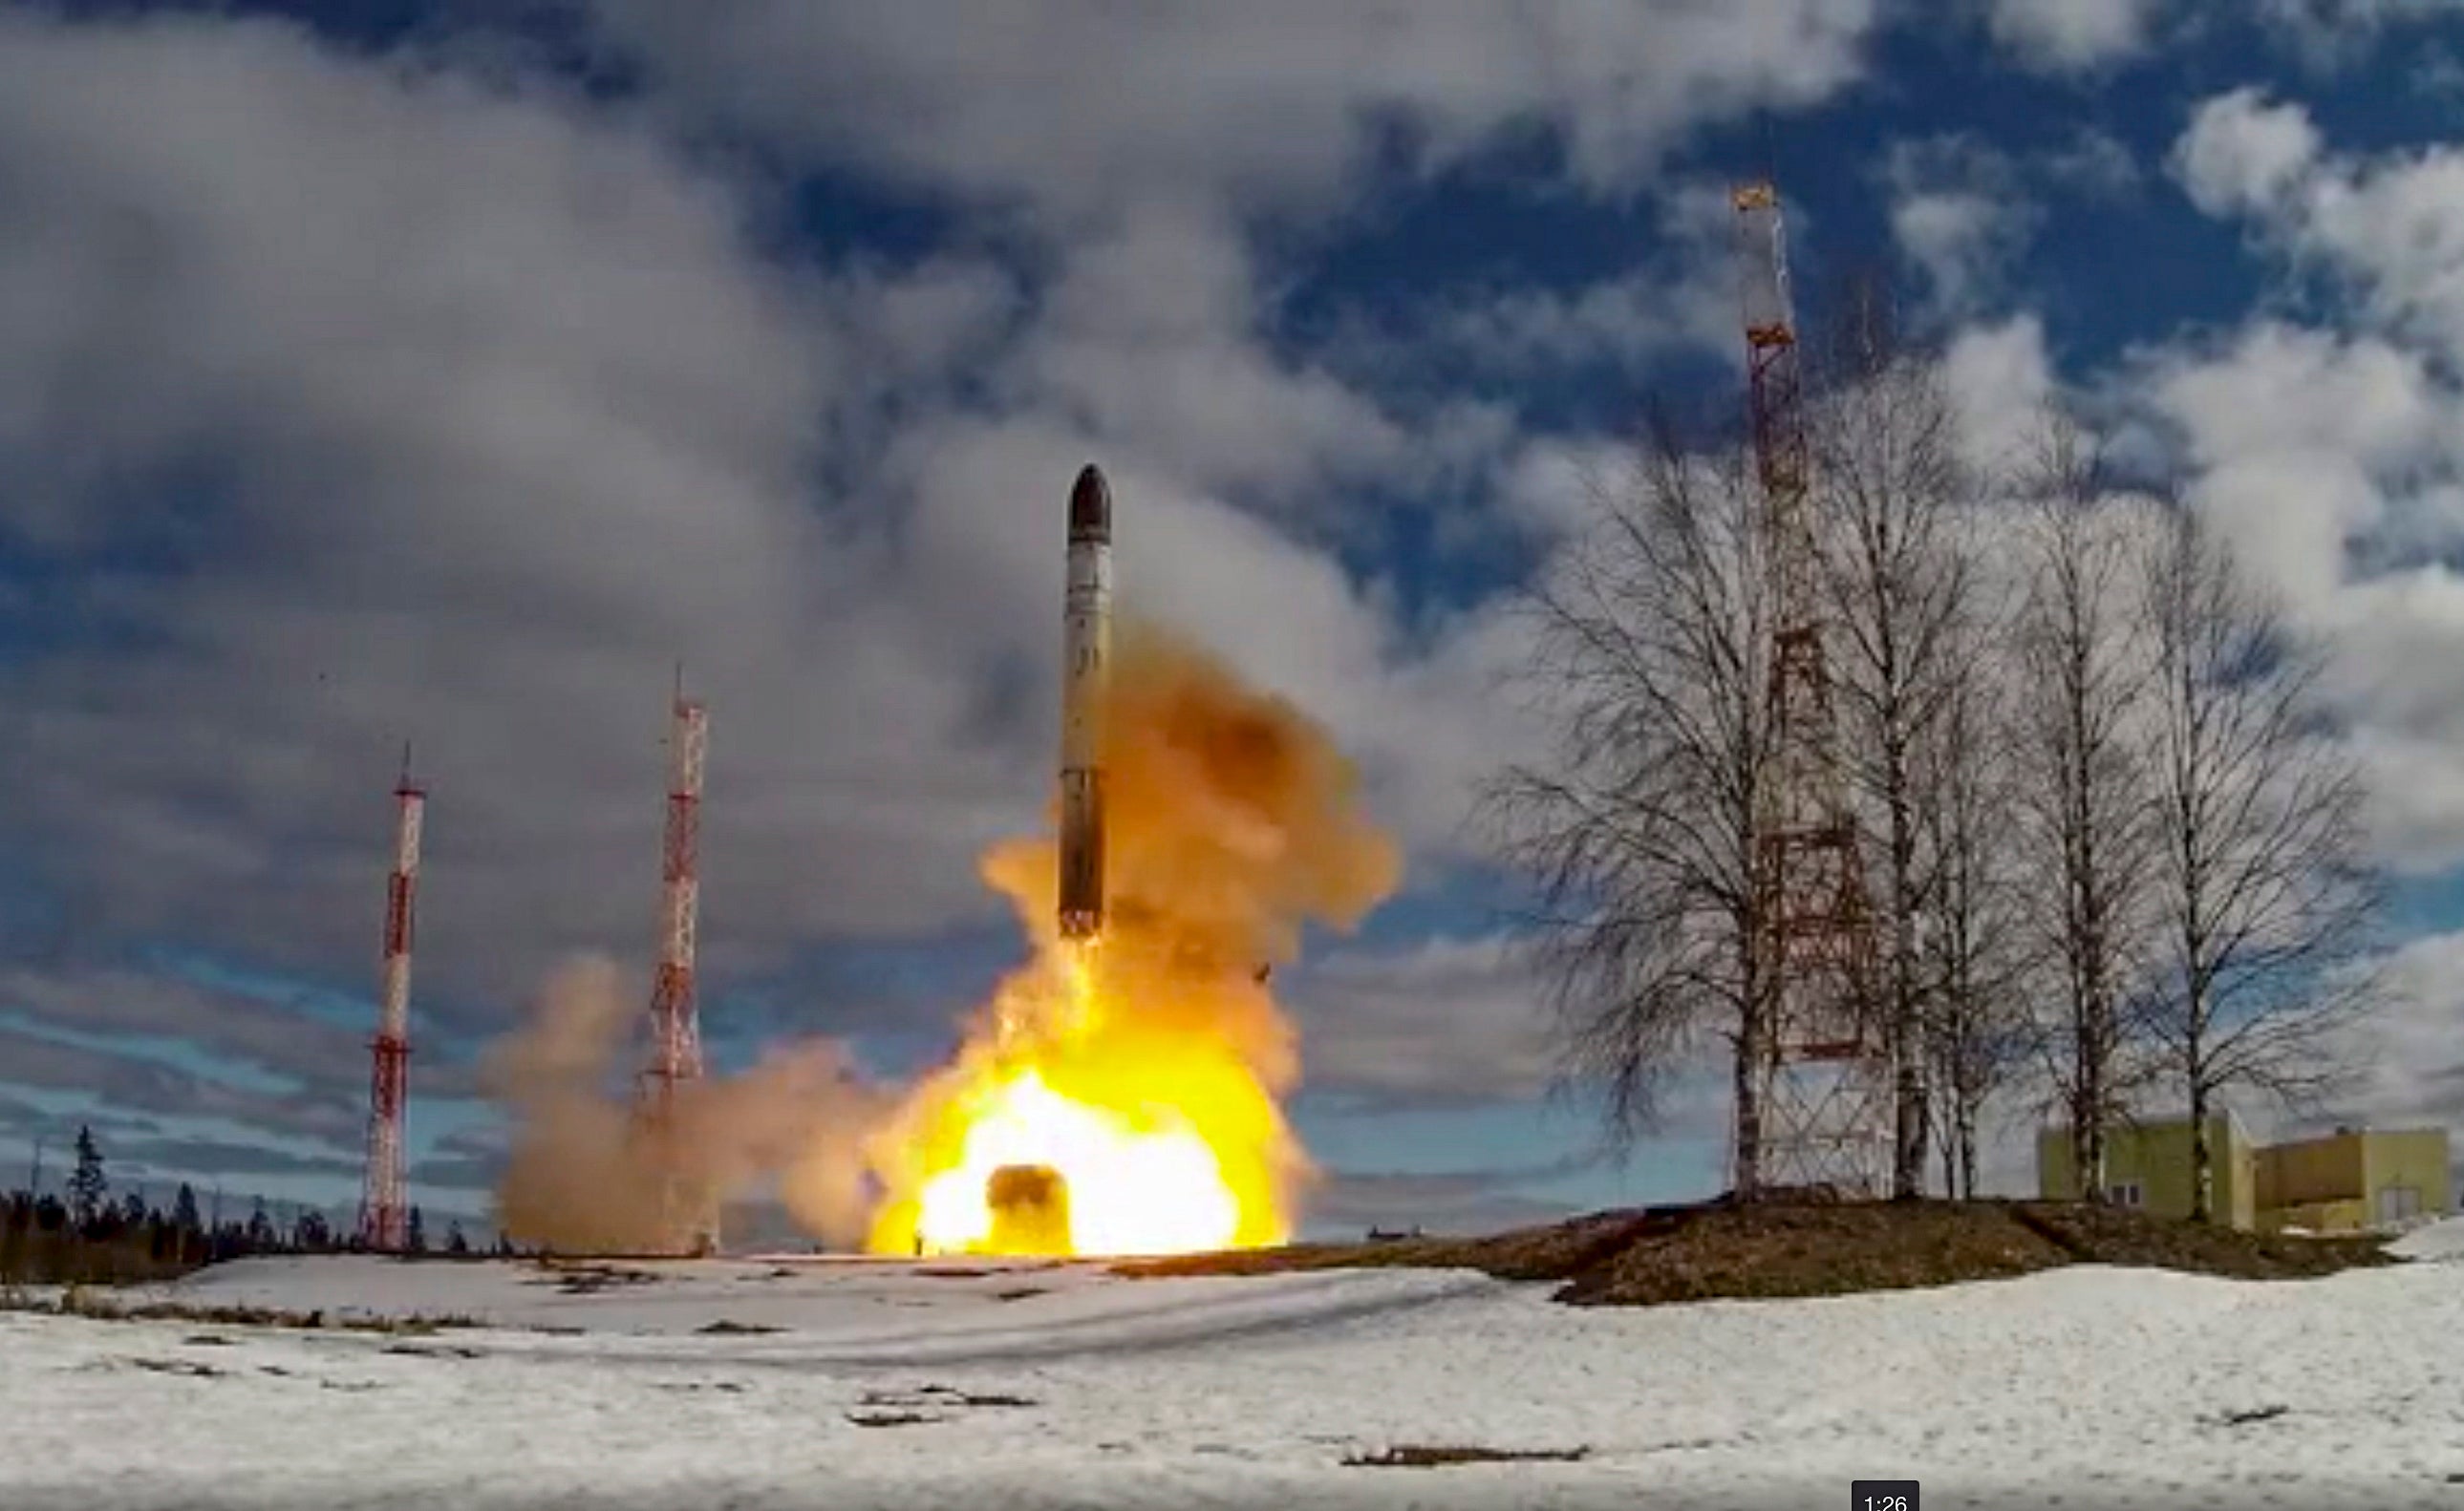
{"points": [[577, 1177]]}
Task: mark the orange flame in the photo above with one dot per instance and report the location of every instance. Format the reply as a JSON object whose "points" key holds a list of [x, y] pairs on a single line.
{"points": [[1174, 1148], [1122, 1098]]}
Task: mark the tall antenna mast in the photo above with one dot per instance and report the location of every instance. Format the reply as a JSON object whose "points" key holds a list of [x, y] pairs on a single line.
{"points": [[690, 1219], [1823, 1117], [383, 1215]]}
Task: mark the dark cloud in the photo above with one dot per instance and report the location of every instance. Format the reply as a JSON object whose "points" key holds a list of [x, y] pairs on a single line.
{"points": [[472, 449], [1459, 1201], [1447, 1024], [119, 1001], [125, 1019], [469, 1158], [152, 1089], [306, 459], [477, 1172], [227, 1159], [29, 1122]]}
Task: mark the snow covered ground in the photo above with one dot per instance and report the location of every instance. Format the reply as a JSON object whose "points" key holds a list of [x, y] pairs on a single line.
{"points": [[903, 1386]]}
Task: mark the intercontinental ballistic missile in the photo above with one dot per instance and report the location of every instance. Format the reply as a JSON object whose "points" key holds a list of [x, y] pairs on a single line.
{"points": [[1087, 652]]}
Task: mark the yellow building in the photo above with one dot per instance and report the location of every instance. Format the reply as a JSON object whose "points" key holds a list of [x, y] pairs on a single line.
{"points": [[2354, 1179], [2148, 1166]]}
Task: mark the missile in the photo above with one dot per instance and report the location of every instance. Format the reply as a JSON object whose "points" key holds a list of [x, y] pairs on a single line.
{"points": [[1086, 654]]}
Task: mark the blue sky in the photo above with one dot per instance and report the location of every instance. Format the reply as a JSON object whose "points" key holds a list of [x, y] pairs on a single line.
{"points": [[382, 371]]}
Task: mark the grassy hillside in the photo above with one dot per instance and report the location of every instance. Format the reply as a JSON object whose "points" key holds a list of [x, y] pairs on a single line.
{"points": [[1781, 1249]]}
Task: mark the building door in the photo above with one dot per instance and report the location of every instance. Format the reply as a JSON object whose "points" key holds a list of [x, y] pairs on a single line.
{"points": [[2398, 1204]]}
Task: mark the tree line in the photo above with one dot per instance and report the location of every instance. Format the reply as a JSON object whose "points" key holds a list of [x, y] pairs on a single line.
{"points": [[2111, 844], [88, 1236]]}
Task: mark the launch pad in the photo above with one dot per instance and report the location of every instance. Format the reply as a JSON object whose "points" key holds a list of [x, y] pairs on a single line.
{"points": [[1030, 1207]]}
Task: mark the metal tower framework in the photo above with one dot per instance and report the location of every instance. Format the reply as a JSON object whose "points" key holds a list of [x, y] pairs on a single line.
{"points": [[383, 1213], [1826, 1111], [690, 1219]]}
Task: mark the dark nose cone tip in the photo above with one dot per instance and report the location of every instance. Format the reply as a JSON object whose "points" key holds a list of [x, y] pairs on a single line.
{"points": [[1091, 506]]}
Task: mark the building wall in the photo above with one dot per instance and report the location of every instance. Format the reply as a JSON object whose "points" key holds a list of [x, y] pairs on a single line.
{"points": [[2054, 1180], [2156, 1157], [2339, 1183], [2241, 1199], [2312, 1170], [2415, 1158]]}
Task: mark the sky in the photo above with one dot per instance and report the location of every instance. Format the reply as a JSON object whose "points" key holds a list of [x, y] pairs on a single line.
{"points": [[447, 373]]}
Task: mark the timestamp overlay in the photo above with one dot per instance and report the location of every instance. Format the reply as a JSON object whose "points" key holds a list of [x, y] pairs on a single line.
{"points": [[1882, 1495]]}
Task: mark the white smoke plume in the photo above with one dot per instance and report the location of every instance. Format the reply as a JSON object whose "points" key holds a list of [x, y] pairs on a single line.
{"points": [[582, 1179]]}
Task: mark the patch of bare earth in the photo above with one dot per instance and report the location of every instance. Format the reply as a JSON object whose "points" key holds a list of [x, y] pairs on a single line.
{"points": [[1804, 1247], [1438, 1456], [923, 1405], [102, 1306]]}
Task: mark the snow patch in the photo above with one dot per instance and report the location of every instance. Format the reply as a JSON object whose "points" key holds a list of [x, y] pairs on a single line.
{"points": [[903, 1386]]}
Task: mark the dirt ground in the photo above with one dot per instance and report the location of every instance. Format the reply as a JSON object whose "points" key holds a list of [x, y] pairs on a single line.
{"points": [[1810, 1248]]}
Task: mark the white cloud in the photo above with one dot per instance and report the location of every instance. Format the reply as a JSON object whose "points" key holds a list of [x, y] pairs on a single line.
{"points": [[2392, 226], [2400, 230], [361, 397], [2411, 1068], [1962, 214], [2071, 36], [485, 437], [2310, 451], [488, 432], [1078, 107], [1510, 337], [2002, 380], [2283, 387], [2244, 152], [1555, 485], [2331, 457], [2096, 163], [2330, 33], [1958, 239], [2436, 73], [1147, 340], [2293, 429]]}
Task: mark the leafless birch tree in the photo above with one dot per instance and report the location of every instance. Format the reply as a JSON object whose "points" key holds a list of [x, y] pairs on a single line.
{"points": [[1889, 490], [1975, 948], [2263, 890], [2084, 786], [1638, 832]]}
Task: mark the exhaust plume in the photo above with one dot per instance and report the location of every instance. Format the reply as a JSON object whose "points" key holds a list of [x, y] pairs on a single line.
{"points": [[1232, 820], [584, 1179], [1119, 1095]]}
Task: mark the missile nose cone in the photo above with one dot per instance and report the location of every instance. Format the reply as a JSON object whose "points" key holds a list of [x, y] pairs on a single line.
{"points": [[1091, 506]]}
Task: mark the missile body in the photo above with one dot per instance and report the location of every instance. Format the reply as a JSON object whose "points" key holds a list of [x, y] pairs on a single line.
{"points": [[1086, 651]]}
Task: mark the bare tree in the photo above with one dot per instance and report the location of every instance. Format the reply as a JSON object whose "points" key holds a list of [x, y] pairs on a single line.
{"points": [[1890, 490], [1639, 832], [2263, 888], [2085, 789], [1975, 950]]}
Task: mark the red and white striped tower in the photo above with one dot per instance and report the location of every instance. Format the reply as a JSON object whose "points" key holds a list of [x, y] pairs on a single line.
{"points": [[384, 1214], [1824, 1117], [676, 1020]]}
